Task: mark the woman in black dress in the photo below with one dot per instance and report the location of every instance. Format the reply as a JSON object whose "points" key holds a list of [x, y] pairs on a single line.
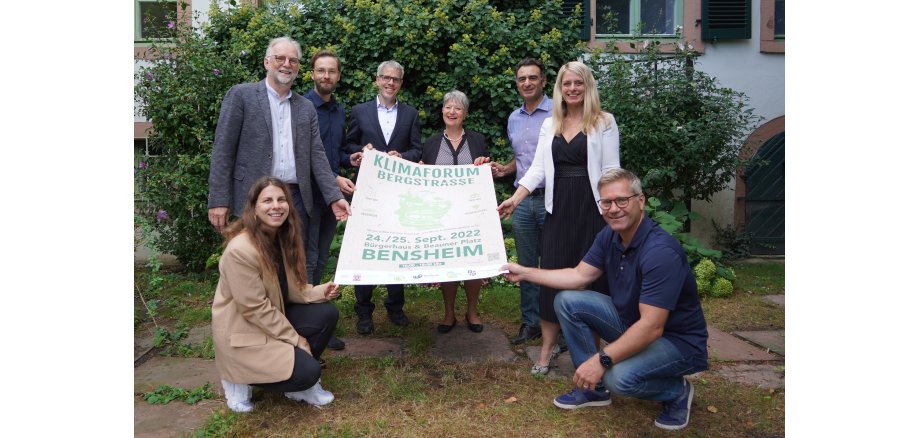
{"points": [[577, 144]]}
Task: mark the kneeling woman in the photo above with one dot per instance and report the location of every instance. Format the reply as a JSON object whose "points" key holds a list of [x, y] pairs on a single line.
{"points": [[270, 325]]}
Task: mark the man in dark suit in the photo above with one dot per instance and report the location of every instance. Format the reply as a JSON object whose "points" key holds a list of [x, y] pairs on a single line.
{"points": [[265, 129], [384, 124]]}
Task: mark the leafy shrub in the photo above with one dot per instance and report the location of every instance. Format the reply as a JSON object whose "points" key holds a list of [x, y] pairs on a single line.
{"points": [[735, 243], [674, 222], [472, 46], [722, 288], [712, 280], [680, 132]]}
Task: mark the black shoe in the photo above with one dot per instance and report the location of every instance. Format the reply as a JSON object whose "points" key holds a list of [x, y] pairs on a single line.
{"points": [[365, 325], [444, 328], [475, 328], [527, 333], [399, 318], [322, 363], [335, 343]]}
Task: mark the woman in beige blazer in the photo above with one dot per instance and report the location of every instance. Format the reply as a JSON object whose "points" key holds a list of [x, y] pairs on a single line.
{"points": [[270, 325]]}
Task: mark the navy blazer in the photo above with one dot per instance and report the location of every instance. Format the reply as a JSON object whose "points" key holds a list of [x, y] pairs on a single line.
{"points": [[242, 151], [364, 128]]}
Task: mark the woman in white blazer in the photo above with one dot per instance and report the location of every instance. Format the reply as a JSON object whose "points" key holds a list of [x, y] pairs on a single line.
{"points": [[576, 145], [270, 325]]}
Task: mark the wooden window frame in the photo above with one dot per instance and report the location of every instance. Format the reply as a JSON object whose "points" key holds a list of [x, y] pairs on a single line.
{"points": [[769, 42], [690, 29]]}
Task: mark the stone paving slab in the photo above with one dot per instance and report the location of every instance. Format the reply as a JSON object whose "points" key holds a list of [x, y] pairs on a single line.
{"points": [[368, 346], [175, 371], [776, 299], [760, 375], [175, 418], [772, 340], [560, 368], [462, 345], [723, 346]]}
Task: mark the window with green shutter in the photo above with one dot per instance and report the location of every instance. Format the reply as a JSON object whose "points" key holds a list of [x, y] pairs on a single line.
{"points": [[568, 8], [726, 19]]}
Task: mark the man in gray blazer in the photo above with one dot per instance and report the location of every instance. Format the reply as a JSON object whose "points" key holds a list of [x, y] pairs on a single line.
{"points": [[265, 129]]}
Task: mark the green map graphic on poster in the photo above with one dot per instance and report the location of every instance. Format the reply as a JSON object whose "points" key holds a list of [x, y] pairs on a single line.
{"points": [[417, 212]]}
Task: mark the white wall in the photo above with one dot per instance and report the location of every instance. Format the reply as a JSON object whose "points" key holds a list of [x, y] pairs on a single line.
{"points": [[739, 65]]}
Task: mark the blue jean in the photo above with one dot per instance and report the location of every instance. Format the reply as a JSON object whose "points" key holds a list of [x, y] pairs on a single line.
{"points": [[321, 232], [655, 373], [527, 227]]}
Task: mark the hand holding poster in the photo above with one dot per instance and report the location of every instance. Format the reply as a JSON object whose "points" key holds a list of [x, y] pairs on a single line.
{"points": [[415, 223]]}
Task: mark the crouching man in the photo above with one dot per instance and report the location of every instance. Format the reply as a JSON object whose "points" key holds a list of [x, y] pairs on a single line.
{"points": [[652, 319]]}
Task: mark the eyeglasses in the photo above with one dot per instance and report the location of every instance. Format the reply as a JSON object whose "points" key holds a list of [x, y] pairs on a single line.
{"points": [[386, 78], [531, 78], [620, 202], [280, 59], [323, 72]]}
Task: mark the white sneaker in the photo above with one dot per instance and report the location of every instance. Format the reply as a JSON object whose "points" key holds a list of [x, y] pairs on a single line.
{"points": [[315, 395], [239, 396]]}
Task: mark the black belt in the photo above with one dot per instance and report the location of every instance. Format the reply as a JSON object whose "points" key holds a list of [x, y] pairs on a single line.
{"points": [[570, 171], [539, 192]]}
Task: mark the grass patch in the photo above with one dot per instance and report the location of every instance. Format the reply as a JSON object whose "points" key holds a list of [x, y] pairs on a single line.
{"points": [[416, 395], [167, 393], [746, 309], [762, 278], [421, 398]]}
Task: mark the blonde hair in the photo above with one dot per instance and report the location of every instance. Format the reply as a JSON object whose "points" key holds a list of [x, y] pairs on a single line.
{"points": [[593, 114]]}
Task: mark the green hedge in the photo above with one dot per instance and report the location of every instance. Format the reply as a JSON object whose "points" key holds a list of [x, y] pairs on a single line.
{"points": [[471, 46]]}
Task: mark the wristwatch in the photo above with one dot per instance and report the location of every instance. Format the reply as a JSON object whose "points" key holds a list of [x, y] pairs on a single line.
{"points": [[606, 361]]}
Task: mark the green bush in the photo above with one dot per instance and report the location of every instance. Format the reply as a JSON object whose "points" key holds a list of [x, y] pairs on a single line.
{"points": [[471, 46], [680, 131], [712, 280]]}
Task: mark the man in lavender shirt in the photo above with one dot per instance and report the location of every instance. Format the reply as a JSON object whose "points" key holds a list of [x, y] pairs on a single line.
{"points": [[527, 220]]}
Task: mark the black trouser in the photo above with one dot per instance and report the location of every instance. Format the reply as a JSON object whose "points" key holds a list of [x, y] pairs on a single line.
{"points": [[316, 322], [393, 302]]}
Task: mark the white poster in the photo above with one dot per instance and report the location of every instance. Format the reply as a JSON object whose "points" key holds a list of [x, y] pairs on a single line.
{"points": [[414, 223]]}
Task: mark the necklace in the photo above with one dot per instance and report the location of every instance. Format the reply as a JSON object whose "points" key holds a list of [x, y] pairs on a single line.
{"points": [[462, 133]]}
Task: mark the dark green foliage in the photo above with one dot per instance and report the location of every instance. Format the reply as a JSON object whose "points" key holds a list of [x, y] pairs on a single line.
{"points": [[680, 132], [735, 243], [471, 46]]}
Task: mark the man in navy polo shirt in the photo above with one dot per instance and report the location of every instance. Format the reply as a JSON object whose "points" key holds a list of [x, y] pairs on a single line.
{"points": [[652, 319]]}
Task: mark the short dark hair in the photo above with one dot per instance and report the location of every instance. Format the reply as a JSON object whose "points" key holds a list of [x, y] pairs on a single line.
{"points": [[531, 61], [323, 53]]}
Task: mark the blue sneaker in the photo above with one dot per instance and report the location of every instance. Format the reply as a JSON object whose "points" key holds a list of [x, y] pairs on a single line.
{"points": [[579, 398], [676, 414]]}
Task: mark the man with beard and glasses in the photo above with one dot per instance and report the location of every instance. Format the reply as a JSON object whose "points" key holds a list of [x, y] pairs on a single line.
{"points": [[327, 70], [265, 129]]}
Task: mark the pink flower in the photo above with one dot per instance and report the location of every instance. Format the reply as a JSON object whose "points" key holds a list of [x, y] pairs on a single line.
{"points": [[216, 72], [149, 76], [142, 165], [171, 25], [162, 215]]}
